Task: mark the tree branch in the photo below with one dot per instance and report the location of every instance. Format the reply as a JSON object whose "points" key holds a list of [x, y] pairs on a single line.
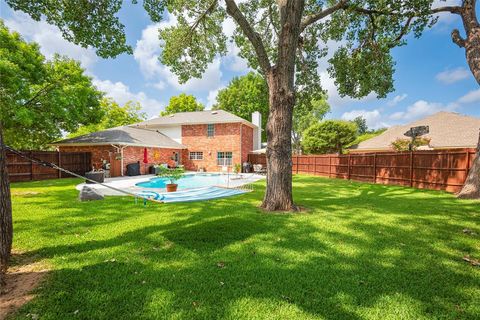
{"points": [[451, 9], [237, 15], [308, 20], [203, 15], [457, 39]]}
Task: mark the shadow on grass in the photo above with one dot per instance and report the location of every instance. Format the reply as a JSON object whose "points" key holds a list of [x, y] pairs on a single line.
{"points": [[365, 251]]}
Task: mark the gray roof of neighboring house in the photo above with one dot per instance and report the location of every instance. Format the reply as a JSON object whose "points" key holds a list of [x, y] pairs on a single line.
{"points": [[197, 117], [125, 135], [447, 130]]}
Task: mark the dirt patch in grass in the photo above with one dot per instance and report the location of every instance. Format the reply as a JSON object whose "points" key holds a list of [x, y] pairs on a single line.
{"points": [[23, 277]]}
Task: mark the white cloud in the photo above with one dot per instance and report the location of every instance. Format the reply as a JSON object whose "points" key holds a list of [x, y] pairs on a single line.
{"points": [[452, 76], [422, 108], [472, 96], [396, 100], [121, 93], [147, 51], [49, 38], [212, 97], [373, 118]]}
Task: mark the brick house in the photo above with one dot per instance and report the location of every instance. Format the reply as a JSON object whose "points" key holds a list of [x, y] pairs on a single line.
{"points": [[208, 140]]}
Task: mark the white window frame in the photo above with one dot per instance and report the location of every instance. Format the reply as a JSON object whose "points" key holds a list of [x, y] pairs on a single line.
{"points": [[195, 155], [224, 158], [210, 130]]}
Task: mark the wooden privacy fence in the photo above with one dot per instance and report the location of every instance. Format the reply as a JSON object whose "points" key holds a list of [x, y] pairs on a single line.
{"points": [[21, 169], [433, 169]]}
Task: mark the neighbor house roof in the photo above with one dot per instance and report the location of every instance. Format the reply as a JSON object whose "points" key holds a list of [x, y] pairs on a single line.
{"points": [[447, 130], [126, 136], [197, 117]]}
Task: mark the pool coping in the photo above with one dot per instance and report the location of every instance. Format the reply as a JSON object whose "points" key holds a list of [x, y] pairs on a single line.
{"points": [[128, 183]]}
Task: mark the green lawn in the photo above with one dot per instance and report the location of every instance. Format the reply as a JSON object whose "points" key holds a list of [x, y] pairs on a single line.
{"points": [[362, 251]]}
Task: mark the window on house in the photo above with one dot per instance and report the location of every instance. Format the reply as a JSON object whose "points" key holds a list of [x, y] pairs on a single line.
{"points": [[196, 155], [210, 130], [224, 158]]}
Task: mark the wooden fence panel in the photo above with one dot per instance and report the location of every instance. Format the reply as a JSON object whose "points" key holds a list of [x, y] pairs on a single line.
{"points": [[20, 169], [432, 169]]}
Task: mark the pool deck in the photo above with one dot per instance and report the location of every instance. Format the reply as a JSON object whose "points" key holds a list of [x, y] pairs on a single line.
{"points": [[129, 183]]}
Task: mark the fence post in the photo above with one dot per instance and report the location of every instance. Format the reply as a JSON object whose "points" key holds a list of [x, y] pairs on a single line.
{"points": [[31, 166], [374, 167], [411, 168], [329, 166], [297, 163], [348, 168], [59, 164], [468, 162]]}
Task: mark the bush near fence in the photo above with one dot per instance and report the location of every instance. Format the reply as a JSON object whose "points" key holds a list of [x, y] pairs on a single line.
{"points": [[21, 169], [433, 169]]}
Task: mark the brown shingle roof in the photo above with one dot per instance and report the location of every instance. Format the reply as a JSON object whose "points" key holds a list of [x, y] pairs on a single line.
{"points": [[123, 136], [447, 130], [197, 117]]}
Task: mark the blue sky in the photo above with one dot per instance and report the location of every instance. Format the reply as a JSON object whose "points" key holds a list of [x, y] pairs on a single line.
{"points": [[431, 72]]}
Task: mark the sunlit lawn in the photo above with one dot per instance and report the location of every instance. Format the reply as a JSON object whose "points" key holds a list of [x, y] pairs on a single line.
{"points": [[362, 251]]}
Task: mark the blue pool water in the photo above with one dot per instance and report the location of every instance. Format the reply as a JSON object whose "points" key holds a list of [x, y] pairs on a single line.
{"points": [[200, 194], [188, 181]]}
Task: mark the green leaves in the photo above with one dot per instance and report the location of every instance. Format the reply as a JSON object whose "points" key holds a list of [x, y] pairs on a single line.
{"points": [[84, 22], [113, 115], [182, 103], [196, 39], [245, 95], [329, 136], [41, 99]]}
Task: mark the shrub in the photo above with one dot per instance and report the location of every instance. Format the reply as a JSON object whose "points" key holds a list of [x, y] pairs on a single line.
{"points": [[172, 174], [329, 136]]}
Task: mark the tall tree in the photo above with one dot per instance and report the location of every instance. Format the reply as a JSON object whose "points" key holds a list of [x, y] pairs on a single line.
{"points": [[38, 100], [471, 44], [280, 39], [305, 114], [114, 115], [361, 123], [329, 136], [182, 103], [41, 99], [245, 95]]}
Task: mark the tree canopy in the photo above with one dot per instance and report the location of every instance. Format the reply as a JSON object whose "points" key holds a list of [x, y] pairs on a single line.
{"points": [[182, 103], [329, 136], [114, 115], [39, 98], [361, 123], [304, 116], [243, 96]]}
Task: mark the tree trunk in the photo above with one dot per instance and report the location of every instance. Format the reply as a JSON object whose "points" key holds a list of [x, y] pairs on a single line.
{"points": [[6, 229], [471, 187], [280, 79], [278, 195], [472, 41]]}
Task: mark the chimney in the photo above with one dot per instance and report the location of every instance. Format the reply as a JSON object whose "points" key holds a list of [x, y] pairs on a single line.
{"points": [[257, 135]]}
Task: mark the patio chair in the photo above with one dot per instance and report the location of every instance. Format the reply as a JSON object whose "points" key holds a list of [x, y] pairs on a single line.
{"points": [[259, 169]]}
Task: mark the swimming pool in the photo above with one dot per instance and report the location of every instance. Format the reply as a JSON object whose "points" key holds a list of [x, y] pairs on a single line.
{"points": [[188, 181]]}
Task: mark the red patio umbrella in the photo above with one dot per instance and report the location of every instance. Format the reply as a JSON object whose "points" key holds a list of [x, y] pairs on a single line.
{"points": [[145, 155]]}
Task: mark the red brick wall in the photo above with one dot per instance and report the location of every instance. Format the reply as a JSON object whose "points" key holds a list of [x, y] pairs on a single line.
{"points": [[130, 155], [227, 138], [247, 141]]}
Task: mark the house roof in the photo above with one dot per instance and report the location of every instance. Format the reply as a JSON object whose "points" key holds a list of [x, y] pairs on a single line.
{"points": [[126, 136], [197, 117], [447, 130]]}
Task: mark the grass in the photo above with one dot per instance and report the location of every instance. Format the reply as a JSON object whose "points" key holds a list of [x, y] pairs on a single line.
{"points": [[361, 252]]}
